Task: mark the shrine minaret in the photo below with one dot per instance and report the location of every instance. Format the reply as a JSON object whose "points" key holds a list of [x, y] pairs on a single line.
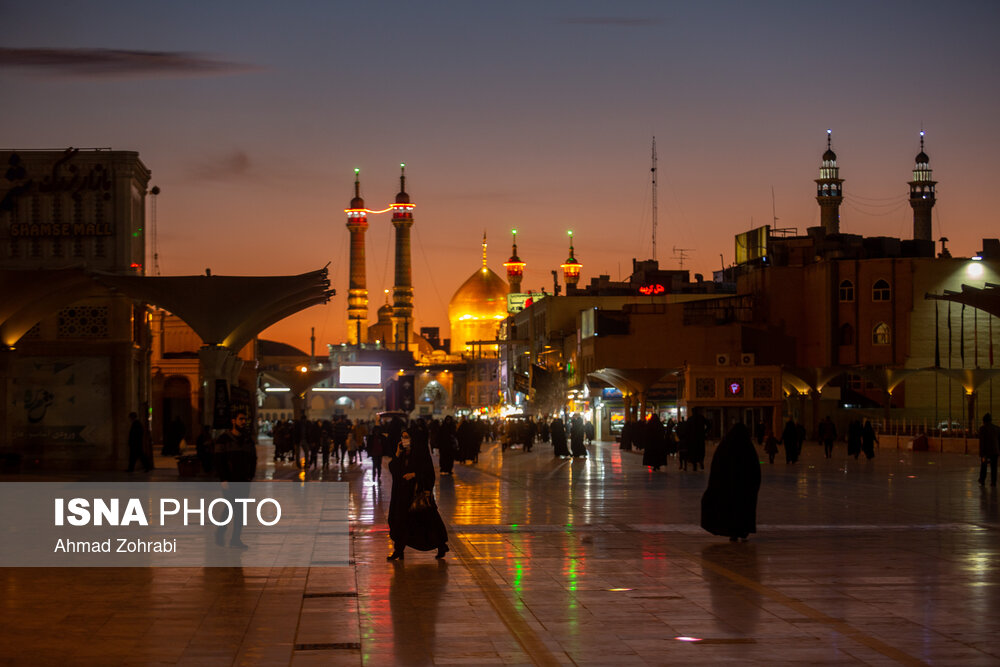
{"points": [[922, 195], [829, 189], [571, 269], [402, 291], [515, 268], [357, 294]]}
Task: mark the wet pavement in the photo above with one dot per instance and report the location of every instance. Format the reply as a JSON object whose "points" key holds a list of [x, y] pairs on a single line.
{"points": [[571, 562]]}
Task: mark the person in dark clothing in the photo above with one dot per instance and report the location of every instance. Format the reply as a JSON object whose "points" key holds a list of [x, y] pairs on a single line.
{"points": [[465, 436], [827, 433], [868, 440], [412, 472], [204, 448], [576, 437], [341, 431], [627, 437], [790, 439], [729, 504], [683, 443], [172, 436], [588, 432], [446, 442], [697, 431], [528, 434], [558, 432], [236, 465], [136, 450], [654, 452], [376, 449], [854, 432], [989, 449]]}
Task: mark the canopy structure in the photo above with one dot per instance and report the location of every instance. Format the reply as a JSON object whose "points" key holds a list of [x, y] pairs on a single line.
{"points": [[28, 296], [226, 311], [986, 299], [633, 382]]}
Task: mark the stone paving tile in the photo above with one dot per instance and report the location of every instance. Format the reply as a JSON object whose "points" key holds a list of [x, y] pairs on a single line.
{"points": [[908, 563]]}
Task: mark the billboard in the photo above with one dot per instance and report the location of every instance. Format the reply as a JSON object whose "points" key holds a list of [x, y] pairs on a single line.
{"points": [[368, 374], [752, 245]]}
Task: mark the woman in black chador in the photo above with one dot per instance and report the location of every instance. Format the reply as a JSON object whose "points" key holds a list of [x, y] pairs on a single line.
{"points": [[412, 471], [576, 437], [729, 506], [558, 432], [654, 453]]}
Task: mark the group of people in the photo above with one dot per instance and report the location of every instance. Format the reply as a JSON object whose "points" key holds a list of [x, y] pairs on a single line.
{"points": [[311, 442], [658, 441]]}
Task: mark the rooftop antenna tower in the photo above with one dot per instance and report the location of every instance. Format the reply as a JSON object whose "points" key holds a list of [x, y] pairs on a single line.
{"points": [[156, 256], [653, 172], [681, 254]]}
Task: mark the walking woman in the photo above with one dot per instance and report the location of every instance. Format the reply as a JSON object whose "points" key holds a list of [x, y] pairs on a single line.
{"points": [[412, 523], [729, 506]]}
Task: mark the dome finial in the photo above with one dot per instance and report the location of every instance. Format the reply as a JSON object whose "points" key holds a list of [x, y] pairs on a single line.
{"points": [[357, 203], [484, 248], [402, 197]]}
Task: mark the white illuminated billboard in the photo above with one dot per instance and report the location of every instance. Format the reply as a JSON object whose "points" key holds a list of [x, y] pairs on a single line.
{"points": [[361, 374]]}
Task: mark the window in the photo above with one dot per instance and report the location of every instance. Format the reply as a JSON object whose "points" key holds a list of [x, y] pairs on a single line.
{"points": [[881, 334], [881, 291], [847, 335], [847, 291]]}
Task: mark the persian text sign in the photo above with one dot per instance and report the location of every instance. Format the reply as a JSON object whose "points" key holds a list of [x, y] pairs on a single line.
{"points": [[282, 524]]}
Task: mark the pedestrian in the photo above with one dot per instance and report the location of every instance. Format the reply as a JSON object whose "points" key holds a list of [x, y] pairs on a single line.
{"points": [[204, 448], [770, 444], [413, 523], [341, 432], [576, 437], [868, 440], [827, 433], [854, 431], [173, 434], [588, 431], [376, 448], [989, 449], [136, 449], [729, 504], [654, 452], [558, 432], [697, 430], [447, 445], [790, 439], [683, 443], [236, 465]]}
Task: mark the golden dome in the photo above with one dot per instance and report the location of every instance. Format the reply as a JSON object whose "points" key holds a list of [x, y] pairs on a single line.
{"points": [[477, 308], [483, 295]]}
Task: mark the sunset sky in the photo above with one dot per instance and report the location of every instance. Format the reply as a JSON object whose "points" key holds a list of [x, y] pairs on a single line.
{"points": [[537, 115]]}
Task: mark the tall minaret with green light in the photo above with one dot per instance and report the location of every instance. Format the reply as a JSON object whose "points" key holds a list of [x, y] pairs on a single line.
{"points": [[571, 268], [829, 189], [922, 195], [402, 290], [515, 267], [357, 293]]}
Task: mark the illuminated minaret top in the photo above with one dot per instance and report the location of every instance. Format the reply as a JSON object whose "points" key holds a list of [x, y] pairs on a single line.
{"points": [[357, 294], [515, 267], [571, 268], [829, 189], [922, 196], [402, 291]]}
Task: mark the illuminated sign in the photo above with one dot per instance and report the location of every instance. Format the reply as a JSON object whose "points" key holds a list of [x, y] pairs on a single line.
{"points": [[652, 289], [752, 245], [361, 374], [518, 302], [734, 387]]}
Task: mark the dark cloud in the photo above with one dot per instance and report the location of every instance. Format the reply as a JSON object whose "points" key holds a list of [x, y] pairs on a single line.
{"points": [[117, 63], [619, 21], [231, 166]]}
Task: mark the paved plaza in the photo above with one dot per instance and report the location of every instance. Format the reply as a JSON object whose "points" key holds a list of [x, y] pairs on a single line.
{"points": [[570, 562]]}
